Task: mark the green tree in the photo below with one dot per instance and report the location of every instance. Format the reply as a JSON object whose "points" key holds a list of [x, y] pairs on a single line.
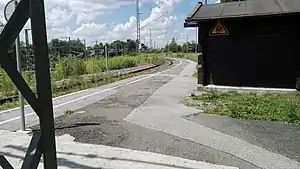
{"points": [[179, 48], [144, 47], [173, 46], [76, 47], [131, 45]]}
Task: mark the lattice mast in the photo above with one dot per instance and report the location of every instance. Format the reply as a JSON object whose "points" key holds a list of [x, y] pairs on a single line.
{"points": [[138, 27]]}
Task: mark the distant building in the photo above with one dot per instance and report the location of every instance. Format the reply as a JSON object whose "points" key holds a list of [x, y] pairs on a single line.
{"points": [[249, 43]]}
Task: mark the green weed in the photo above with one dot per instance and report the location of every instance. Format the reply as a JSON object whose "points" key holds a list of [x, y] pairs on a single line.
{"points": [[271, 107]]}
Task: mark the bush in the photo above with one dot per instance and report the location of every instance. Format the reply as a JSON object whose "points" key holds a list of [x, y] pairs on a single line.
{"points": [[65, 68], [30, 79], [122, 62], [7, 87], [93, 65]]}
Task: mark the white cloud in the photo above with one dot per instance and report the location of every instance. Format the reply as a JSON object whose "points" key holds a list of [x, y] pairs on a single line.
{"points": [[78, 19], [87, 16], [58, 17], [158, 20]]}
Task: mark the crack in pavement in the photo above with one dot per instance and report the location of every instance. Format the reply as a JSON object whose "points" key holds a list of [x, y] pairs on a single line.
{"points": [[102, 123], [165, 103]]}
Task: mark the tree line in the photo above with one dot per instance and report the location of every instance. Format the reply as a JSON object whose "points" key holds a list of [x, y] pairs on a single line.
{"points": [[59, 49]]}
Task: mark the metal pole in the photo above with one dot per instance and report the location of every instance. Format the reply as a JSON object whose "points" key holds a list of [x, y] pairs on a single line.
{"points": [[106, 58], [187, 43], [26, 47], [176, 49], [84, 47], [138, 27], [19, 68], [150, 39], [69, 49]]}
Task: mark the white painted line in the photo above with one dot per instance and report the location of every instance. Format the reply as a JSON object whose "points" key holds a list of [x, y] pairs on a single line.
{"points": [[83, 97], [80, 112], [27, 131], [8, 110]]}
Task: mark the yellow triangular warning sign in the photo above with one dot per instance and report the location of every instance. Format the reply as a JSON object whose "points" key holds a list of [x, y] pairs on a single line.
{"points": [[218, 29]]}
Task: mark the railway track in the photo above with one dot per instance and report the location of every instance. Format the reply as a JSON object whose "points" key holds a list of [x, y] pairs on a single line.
{"points": [[112, 73]]}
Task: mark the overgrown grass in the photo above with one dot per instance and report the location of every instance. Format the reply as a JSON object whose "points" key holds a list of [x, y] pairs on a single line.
{"points": [[189, 56], [73, 68], [77, 82], [79, 85], [66, 68], [254, 106], [195, 75]]}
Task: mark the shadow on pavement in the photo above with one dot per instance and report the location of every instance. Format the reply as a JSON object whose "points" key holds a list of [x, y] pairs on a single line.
{"points": [[63, 162], [36, 128]]}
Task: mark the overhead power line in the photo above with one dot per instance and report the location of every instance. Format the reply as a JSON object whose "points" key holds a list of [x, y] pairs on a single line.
{"points": [[154, 20]]}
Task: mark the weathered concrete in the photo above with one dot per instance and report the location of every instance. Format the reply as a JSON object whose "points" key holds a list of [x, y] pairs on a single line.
{"points": [[274, 136], [102, 123], [145, 113], [10, 119], [163, 112], [87, 156], [248, 89]]}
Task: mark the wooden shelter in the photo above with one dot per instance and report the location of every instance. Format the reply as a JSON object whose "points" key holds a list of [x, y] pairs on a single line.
{"points": [[251, 43]]}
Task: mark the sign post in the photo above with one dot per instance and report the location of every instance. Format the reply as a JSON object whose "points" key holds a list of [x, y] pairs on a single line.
{"points": [[106, 58], [19, 63]]}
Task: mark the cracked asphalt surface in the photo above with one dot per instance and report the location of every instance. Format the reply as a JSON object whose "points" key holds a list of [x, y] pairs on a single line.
{"points": [[274, 136], [102, 123]]}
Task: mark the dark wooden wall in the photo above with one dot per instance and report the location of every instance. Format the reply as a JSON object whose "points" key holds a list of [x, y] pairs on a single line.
{"points": [[258, 52]]}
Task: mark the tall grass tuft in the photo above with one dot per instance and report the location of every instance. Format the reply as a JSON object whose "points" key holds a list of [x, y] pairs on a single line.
{"points": [[7, 87]]}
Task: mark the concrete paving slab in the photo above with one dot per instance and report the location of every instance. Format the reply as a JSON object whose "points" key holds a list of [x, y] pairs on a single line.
{"points": [[274, 136], [88, 156], [152, 114]]}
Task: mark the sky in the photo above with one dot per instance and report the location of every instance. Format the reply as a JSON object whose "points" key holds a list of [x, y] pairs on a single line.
{"points": [[109, 20]]}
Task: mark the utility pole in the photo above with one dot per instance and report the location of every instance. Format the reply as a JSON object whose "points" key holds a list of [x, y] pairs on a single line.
{"points": [[96, 50], [69, 47], [138, 27], [187, 43], [106, 57], [150, 39], [19, 68], [29, 60], [84, 42]]}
